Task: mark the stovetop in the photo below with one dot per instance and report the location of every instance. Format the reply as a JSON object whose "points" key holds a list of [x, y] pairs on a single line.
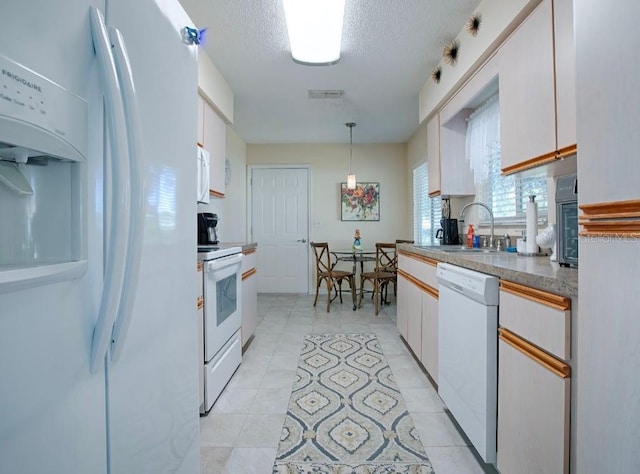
{"points": [[211, 252]]}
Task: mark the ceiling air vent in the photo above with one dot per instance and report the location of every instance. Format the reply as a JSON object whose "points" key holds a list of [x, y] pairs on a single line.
{"points": [[326, 94]]}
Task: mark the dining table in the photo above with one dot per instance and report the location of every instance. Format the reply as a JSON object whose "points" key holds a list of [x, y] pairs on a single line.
{"points": [[355, 256]]}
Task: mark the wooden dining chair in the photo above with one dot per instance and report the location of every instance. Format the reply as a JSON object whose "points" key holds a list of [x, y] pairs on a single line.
{"points": [[383, 274], [333, 279]]}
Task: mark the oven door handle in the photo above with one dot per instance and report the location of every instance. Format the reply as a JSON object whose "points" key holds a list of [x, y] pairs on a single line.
{"points": [[220, 263]]}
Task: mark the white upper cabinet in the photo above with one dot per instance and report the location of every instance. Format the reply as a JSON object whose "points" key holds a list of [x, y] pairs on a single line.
{"points": [[456, 177], [565, 73], [449, 172], [215, 142], [527, 94], [433, 155]]}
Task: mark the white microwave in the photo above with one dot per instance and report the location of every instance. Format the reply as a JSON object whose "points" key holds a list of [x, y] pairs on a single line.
{"points": [[203, 175]]}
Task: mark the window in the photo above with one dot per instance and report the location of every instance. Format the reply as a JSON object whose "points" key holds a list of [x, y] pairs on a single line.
{"points": [[506, 195], [426, 210]]}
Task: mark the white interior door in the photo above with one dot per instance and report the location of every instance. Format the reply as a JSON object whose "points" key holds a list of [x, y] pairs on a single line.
{"points": [[280, 226]]}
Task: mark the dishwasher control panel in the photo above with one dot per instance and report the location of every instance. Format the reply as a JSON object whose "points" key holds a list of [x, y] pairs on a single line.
{"points": [[475, 285]]}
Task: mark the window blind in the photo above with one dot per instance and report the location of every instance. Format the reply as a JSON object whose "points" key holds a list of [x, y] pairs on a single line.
{"points": [[426, 211], [506, 195]]}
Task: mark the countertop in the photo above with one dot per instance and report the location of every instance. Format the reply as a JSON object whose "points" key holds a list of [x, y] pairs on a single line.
{"points": [[536, 272], [245, 245]]}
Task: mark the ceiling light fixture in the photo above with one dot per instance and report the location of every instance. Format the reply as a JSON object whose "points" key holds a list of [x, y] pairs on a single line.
{"points": [[315, 30], [351, 178]]}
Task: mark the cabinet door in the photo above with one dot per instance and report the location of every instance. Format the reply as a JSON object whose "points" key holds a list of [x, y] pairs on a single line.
{"points": [[402, 306], [433, 155], [456, 177], [249, 306], [527, 98], [200, 121], [429, 356], [414, 319], [540, 317], [565, 55], [533, 415], [215, 142]]}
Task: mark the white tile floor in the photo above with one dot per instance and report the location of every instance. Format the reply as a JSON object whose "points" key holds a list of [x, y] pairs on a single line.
{"points": [[241, 433]]}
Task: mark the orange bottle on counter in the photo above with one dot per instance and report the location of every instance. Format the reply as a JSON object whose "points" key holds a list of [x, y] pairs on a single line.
{"points": [[470, 235]]}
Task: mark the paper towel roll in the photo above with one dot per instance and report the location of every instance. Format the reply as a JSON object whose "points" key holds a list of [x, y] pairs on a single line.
{"points": [[532, 225]]}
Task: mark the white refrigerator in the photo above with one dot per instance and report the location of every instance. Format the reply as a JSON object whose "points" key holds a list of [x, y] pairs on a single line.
{"points": [[98, 285], [606, 429]]}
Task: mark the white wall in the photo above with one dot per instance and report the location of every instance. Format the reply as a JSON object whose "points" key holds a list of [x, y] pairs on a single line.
{"points": [[235, 201], [232, 209], [499, 19], [383, 163], [416, 155], [214, 87]]}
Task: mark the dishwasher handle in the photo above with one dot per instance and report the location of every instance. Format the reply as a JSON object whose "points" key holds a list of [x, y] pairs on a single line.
{"points": [[455, 287]]}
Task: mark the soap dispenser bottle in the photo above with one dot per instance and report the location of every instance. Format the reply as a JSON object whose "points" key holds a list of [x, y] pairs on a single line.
{"points": [[470, 235]]}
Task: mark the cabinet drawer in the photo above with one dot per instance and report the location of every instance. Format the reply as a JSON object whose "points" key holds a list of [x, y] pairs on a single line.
{"points": [[249, 260], [421, 268], [533, 410], [542, 318]]}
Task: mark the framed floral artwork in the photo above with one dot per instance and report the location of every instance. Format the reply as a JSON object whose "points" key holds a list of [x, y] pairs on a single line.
{"points": [[361, 203]]}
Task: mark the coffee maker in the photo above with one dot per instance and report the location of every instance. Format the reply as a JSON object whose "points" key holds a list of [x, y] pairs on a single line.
{"points": [[448, 234], [207, 232]]}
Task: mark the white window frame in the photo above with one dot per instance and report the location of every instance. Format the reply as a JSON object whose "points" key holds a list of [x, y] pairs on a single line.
{"points": [[427, 211], [505, 195], [485, 194]]}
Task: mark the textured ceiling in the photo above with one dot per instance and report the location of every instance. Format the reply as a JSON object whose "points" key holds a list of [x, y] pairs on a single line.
{"points": [[388, 50]]}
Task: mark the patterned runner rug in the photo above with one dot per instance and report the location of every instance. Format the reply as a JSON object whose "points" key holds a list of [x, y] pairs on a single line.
{"points": [[346, 414]]}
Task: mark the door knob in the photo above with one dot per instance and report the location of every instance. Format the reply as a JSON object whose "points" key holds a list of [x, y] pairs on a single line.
{"points": [[302, 240]]}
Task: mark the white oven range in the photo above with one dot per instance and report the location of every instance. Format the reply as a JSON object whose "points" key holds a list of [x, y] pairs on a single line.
{"points": [[222, 289]]}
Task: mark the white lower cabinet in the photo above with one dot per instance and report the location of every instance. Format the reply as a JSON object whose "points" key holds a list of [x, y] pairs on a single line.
{"points": [[249, 295], [429, 350], [417, 312], [533, 413], [534, 381], [414, 319], [402, 305]]}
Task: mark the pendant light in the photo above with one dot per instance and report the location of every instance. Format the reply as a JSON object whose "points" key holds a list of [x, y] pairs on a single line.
{"points": [[351, 178]]}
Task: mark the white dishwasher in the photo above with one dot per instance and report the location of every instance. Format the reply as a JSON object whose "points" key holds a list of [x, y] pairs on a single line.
{"points": [[468, 353]]}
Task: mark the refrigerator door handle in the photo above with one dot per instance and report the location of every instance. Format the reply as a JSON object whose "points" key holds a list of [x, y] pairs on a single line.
{"points": [[137, 207], [116, 240]]}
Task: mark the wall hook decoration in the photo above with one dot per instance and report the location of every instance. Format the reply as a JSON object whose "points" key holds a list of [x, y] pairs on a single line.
{"points": [[473, 24], [436, 72], [193, 36], [451, 51]]}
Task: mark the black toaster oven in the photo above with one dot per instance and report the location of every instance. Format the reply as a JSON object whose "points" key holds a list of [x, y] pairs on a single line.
{"points": [[567, 217]]}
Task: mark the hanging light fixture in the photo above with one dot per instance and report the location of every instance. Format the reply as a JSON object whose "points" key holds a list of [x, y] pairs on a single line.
{"points": [[351, 178]]}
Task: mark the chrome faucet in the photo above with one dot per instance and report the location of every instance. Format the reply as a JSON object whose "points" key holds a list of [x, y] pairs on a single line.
{"points": [[491, 237]]}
